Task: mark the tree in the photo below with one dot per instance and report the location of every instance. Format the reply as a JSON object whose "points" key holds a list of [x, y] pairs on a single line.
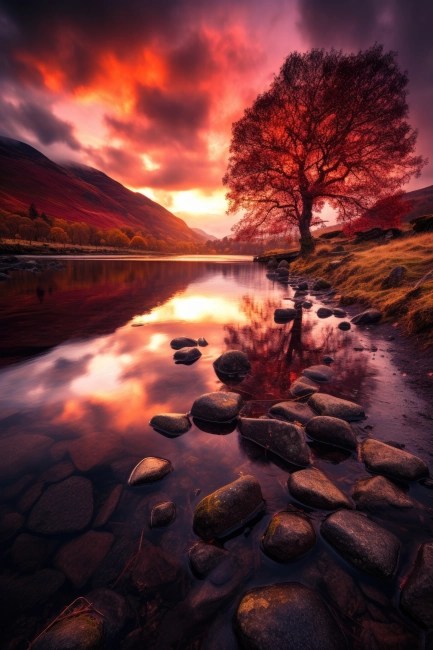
{"points": [[331, 128], [117, 238], [42, 229], [138, 242], [80, 233], [59, 235], [385, 213], [33, 213], [26, 229]]}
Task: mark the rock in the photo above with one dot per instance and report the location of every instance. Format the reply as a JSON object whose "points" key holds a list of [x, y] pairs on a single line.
{"points": [[427, 483], [336, 407], [282, 272], [417, 591], [233, 363], [363, 543], [377, 493], [307, 304], [12, 490], [216, 428], [326, 359], [283, 264], [228, 508], [29, 552], [303, 286], [150, 470], [77, 633], [202, 342], [292, 412], [173, 424], [319, 373], [286, 616], [320, 285], [65, 507], [423, 223], [384, 459], [187, 356], [284, 315], [24, 592], [288, 536], [183, 342], [339, 313], [29, 498], [57, 472], [367, 317], [344, 326], [59, 451], [217, 407], [19, 454], [111, 569], [331, 431], [94, 450], [283, 438], [121, 469], [395, 278], [303, 386], [10, 524], [108, 507], [204, 557], [113, 607], [79, 558], [152, 569], [312, 487], [163, 514], [335, 264], [272, 263], [324, 312], [300, 293]]}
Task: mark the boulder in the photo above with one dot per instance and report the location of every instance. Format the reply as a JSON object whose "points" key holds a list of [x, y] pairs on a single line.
{"points": [[284, 314], [331, 431], [292, 412], [283, 264], [384, 459], [217, 407], [336, 407], [272, 263], [395, 278], [303, 386], [367, 317], [366, 545], [94, 450], [320, 285], [344, 326], [324, 312], [108, 507], [307, 304], [339, 313], [150, 470], [303, 286], [10, 524], [286, 616], [77, 633], [312, 487], [319, 373], [79, 558], [233, 363], [183, 342], [57, 472], [20, 593], [29, 498], [423, 223], [282, 438], [288, 536], [282, 272], [417, 591], [228, 508], [19, 454], [204, 557], [65, 507], [152, 569], [173, 424], [202, 342], [187, 356], [378, 493], [113, 607], [327, 360], [163, 514], [30, 552]]}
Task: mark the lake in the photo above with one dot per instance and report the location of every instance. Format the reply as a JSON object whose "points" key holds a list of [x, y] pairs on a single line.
{"points": [[85, 362]]}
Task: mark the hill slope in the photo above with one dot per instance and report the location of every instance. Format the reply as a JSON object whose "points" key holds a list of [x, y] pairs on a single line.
{"points": [[422, 202], [79, 193], [205, 235]]}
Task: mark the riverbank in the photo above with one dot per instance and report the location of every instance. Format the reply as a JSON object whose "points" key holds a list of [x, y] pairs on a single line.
{"points": [[53, 250]]}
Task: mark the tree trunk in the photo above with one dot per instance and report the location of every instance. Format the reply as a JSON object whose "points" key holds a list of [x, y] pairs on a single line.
{"points": [[306, 241]]}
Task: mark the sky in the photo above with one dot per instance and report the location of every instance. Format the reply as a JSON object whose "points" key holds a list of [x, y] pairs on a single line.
{"points": [[147, 90]]}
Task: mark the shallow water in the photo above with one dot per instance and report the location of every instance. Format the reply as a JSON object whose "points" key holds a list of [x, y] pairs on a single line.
{"points": [[85, 350]]}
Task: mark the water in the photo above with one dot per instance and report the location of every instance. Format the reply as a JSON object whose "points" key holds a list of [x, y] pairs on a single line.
{"points": [[73, 365]]}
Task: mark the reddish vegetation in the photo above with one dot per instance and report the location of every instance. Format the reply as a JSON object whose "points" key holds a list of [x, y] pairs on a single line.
{"points": [[386, 213]]}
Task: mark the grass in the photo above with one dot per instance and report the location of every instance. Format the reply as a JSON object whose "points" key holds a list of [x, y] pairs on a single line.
{"points": [[359, 279]]}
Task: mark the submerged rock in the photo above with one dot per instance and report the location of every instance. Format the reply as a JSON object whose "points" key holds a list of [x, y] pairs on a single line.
{"points": [[187, 356], [217, 407], [57, 472], [202, 342], [79, 558], [150, 470], [284, 314], [384, 459], [336, 407], [233, 363], [339, 313], [312, 487], [228, 508], [18, 454], [94, 450], [183, 342], [78, 633], [292, 412], [173, 424], [319, 373], [367, 317], [108, 507], [24, 592], [30, 552], [417, 591], [65, 507], [163, 514], [378, 493], [10, 524], [286, 616], [331, 431], [288, 536], [363, 543], [303, 386], [113, 607], [344, 326], [204, 557], [283, 438], [324, 312], [153, 569], [216, 428]]}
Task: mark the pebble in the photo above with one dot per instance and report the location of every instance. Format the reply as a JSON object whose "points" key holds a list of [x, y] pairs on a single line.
{"points": [[283, 438], [149, 470], [319, 373], [233, 363], [94, 450], [344, 326], [187, 356], [79, 558], [292, 412], [378, 493], [367, 317], [303, 386], [336, 407], [183, 342], [288, 536], [384, 459], [204, 557], [327, 359], [331, 431], [65, 507], [163, 514], [108, 507], [312, 487], [217, 407], [173, 424]]}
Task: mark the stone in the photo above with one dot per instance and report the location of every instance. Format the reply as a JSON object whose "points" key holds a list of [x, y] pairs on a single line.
{"points": [[121, 469], [312, 487], [335, 264], [272, 263], [111, 569], [187, 356], [173, 424], [204, 557], [94, 450], [24, 592], [285, 314], [395, 278], [216, 428], [108, 507], [12, 490], [59, 451], [217, 407], [344, 326], [65, 507], [163, 514], [10, 524], [286, 616], [303, 387], [57, 472], [378, 493], [228, 508], [282, 272], [326, 359], [324, 312], [283, 264], [29, 498], [19, 454], [331, 431], [76, 633], [113, 607], [336, 407], [384, 459], [363, 543], [29, 552], [183, 342], [417, 592], [202, 342], [303, 286], [79, 558], [339, 313], [233, 363], [282, 438], [320, 285], [367, 317], [150, 470], [319, 373], [152, 569], [288, 536], [292, 412], [307, 304]]}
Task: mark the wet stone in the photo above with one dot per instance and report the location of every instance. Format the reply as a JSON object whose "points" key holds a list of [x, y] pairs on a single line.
{"points": [[202, 342], [286, 615], [216, 428], [113, 607], [57, 472], [153, 569], [163, 514], [183, 342], [217, 407], [363, 543], [384, 459], [283, 438], [292, 412], [204, 557], [77, 633], [336, 408], [344, 326], [320, 285], [303, 286], [65, 507], [303, 386], [331, 431], [108, 507], [150, 470], [417, 591], [29, 552], [173, 424], [94, 450], [339, 313], [327, 359], [24, 592], [228, 508], [312, 487], [307, 304], [324, 312], [19, 454], [233, 363], [284, 314], [367, 317], [79, 558], [319, 373], [12, 490], [378, 493], [283, 264], [288, 536], [29, 498], [10, 524], [110, 569], [121, 469], [187, 356]]}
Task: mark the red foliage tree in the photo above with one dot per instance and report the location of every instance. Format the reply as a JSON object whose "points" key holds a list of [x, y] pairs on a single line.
{"points": [[331, 128], [385, 213]]}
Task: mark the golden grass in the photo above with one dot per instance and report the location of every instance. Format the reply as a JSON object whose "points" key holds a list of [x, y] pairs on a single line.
{"points": [[359, 279]]}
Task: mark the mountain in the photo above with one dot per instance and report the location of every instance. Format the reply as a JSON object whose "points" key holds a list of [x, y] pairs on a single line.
{"points": [[78, 193], [422, 202], [204, 235]]}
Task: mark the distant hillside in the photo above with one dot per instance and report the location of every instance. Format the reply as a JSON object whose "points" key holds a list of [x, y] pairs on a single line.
{"points": [[422, 202], [204, 234], [79, 193]]}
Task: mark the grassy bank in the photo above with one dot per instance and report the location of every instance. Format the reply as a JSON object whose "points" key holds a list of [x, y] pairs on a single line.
{"points": [[359, 279]]}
